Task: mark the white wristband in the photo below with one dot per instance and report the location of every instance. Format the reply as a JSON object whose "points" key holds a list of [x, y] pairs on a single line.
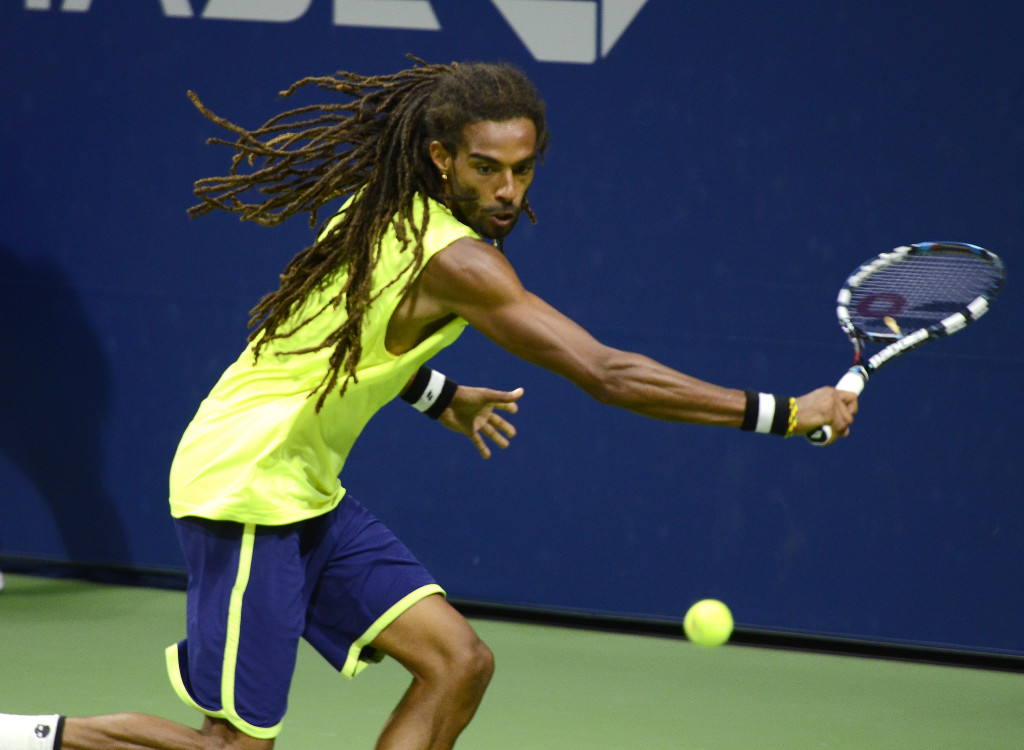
{"points": [[20, 732], [765, 413], [431, 392]]}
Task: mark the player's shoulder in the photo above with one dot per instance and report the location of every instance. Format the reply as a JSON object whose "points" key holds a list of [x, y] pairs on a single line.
{"points": [[470, 254], [470, 263]]}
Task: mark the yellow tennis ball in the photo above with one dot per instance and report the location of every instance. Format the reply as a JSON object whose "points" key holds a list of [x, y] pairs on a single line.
{"points": [[708, 623]]}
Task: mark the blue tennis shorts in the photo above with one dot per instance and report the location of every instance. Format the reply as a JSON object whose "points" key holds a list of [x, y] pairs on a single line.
{"points": [[253, 591]]}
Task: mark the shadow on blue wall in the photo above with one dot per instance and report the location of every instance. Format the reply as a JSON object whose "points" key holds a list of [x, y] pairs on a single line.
{"points": [[54, 404]]}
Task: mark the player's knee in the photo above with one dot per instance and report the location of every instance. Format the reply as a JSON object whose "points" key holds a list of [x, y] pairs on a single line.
{"points": [[471, 666], [483, 663]]}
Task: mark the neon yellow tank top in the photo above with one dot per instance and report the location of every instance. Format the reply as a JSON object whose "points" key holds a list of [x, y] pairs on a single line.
{"points": [[256, 451]]}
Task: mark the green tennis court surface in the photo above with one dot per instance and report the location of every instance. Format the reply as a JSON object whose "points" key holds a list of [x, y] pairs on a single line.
{"points": [[81, 648]]}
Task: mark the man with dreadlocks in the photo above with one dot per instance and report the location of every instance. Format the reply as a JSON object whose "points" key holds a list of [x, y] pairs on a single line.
{"points": [[436, 162]]}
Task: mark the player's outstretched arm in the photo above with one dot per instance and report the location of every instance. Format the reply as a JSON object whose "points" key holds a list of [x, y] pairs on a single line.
{"points": [[475, 281]]}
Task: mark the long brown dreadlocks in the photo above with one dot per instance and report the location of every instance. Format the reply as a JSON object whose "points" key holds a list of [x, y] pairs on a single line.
{"points": [[376, 145]]}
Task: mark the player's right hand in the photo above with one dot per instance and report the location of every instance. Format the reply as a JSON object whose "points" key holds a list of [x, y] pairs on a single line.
{"points": [[826, 406]]}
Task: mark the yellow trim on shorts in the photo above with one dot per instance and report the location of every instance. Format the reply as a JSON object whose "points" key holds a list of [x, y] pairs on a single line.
{"points": [[353, 664], [234, 626]]}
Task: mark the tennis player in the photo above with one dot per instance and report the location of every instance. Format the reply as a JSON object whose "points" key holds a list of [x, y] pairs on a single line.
{"points": [[437, 161]]}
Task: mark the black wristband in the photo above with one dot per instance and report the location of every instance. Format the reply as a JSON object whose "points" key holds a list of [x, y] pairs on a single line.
{"points": [[780, 422], [443, 399], [418, 385], [750, 415], [766, 413], [430, 392], [58, 736]]}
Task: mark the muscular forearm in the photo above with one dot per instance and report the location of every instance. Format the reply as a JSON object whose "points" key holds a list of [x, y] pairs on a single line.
{"points": [[644, 386]]}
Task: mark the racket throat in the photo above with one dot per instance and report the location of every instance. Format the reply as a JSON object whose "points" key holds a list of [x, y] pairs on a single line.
{"points": [[858, 360]]}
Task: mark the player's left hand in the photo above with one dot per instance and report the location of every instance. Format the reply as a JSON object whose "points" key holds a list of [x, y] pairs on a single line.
{"points": [[473, 412]]}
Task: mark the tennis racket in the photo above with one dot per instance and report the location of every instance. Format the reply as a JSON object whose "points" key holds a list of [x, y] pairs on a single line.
{"points": [[906, 298]]}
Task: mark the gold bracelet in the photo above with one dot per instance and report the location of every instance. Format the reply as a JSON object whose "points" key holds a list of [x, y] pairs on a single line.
{"points": [[792, 417]]}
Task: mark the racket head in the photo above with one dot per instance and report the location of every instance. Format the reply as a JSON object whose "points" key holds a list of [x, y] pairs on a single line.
{"points": [[924, 290]]}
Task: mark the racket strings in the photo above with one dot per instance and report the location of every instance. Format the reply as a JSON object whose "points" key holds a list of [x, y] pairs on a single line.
{"points": [[919, 291]]}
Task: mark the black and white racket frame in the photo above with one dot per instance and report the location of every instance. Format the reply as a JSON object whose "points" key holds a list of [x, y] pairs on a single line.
{"points": [[900, 343]]}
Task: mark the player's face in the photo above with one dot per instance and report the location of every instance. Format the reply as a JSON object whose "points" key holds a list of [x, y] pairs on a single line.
{"points": [[489, 174]]}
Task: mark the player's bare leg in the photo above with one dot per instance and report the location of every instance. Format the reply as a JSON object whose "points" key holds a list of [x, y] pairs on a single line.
{"points": [[130, 731], [451, 668]]}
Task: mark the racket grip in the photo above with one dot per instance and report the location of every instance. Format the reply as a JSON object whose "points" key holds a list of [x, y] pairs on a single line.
{"points": [[853, 381]]}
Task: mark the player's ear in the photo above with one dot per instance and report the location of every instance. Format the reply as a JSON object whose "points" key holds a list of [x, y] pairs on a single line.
{"points": [[441, 157]]}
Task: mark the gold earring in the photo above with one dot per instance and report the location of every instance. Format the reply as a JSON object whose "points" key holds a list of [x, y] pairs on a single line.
{"points": [[444, 177]]}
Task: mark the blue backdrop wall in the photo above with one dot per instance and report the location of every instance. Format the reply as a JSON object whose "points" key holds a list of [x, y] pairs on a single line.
{"points": [[715, 171]]}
